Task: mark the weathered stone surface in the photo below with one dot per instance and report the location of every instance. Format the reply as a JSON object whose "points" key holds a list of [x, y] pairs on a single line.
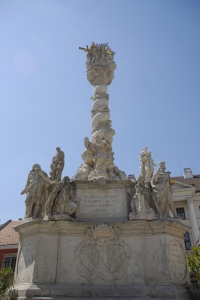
{"points": [[141, 259], [102, 254], [101, 202], [177, 260]]}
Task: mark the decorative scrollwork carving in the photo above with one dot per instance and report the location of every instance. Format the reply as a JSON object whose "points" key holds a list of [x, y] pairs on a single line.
{"points": [[102, 254]]}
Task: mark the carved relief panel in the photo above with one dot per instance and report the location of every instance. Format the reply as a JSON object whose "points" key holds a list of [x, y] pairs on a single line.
{"points": [[102, 254], [177, 258]]}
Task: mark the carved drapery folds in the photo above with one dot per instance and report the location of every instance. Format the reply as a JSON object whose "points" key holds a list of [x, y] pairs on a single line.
{"points": [[162, 192], [98, 157], [57, 165], [49, 198], [61, 203], [102, 253], [152, 197], [36, 190], [141, 204], [147, 165]]}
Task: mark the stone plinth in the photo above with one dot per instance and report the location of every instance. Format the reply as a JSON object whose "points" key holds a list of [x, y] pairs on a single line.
{"points": [[109, 260], [107, 202]]}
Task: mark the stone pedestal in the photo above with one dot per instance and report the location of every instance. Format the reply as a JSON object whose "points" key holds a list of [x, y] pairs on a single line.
{"points": [[110, 260]]}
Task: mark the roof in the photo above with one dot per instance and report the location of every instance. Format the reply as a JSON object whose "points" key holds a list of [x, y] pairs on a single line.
{"points": [[192, 181], [5, 224], [8, 236]]}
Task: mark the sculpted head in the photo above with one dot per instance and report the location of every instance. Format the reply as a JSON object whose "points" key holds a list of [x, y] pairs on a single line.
{"points": [[66, 180], [58, 149], [36, 167], [144, 150], [161, 166]]}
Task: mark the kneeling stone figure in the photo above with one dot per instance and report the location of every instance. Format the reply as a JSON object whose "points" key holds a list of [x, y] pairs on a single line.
{"points": [[139, 206], [61, 203]]}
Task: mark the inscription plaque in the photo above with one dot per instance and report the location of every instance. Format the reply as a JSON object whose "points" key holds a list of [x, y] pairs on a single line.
{"points": [[177, 260], [106, 204]]}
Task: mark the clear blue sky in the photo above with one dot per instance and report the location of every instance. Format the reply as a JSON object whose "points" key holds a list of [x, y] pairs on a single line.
{"points": [[45, 96]]}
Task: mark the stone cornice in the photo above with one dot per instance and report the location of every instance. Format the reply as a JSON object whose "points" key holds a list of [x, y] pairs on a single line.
{"points": [[127, 228], [13, 246], [96, 185], [183, 191]]}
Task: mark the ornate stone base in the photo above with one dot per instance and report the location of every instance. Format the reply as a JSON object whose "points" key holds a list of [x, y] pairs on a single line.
{"points": [[114, 260]]}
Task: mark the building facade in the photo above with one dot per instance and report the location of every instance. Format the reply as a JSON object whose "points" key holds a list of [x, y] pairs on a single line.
{"points": [[186, 198], [9, 242]]}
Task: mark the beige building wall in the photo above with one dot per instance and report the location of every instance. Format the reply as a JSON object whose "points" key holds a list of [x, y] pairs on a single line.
{"points": [[186, 198]]}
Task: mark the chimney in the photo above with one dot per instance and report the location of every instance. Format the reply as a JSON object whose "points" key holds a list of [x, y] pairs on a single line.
{"points": [[188, 173]]}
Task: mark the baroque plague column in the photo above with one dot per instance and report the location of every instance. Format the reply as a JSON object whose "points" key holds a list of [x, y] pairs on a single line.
{"points": [[98, 156], [100, 235]]}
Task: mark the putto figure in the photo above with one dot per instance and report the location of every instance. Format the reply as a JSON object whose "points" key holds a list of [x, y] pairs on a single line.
{"points": [[57, 165], [36, 190], [147, 165]]}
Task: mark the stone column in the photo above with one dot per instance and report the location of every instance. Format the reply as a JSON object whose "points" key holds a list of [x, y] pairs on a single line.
{"points": [[193, 220], [98, 158]]}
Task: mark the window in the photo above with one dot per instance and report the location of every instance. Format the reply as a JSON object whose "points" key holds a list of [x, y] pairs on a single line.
{"points": [[181, 212], [187, 241], [9, 260]]}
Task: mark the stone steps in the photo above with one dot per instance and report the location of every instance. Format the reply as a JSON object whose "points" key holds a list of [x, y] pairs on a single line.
{"points": [[97, 298]]}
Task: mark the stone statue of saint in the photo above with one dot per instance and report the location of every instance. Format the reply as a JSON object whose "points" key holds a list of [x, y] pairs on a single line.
{"points": [[162, 192], [61, 203], [147, 165], [57, 165], [139, 206], [36, 190]]}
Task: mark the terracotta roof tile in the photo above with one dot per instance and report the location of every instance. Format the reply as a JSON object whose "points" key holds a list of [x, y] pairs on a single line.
{"points": [[4, 224], [8, 236], [192, 181]]}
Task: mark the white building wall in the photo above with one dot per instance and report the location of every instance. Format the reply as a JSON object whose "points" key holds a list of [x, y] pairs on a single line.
{"points": [[184, 196]]}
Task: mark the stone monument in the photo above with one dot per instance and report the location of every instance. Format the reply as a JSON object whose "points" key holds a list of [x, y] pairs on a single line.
{"points": [[101, 235]]}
